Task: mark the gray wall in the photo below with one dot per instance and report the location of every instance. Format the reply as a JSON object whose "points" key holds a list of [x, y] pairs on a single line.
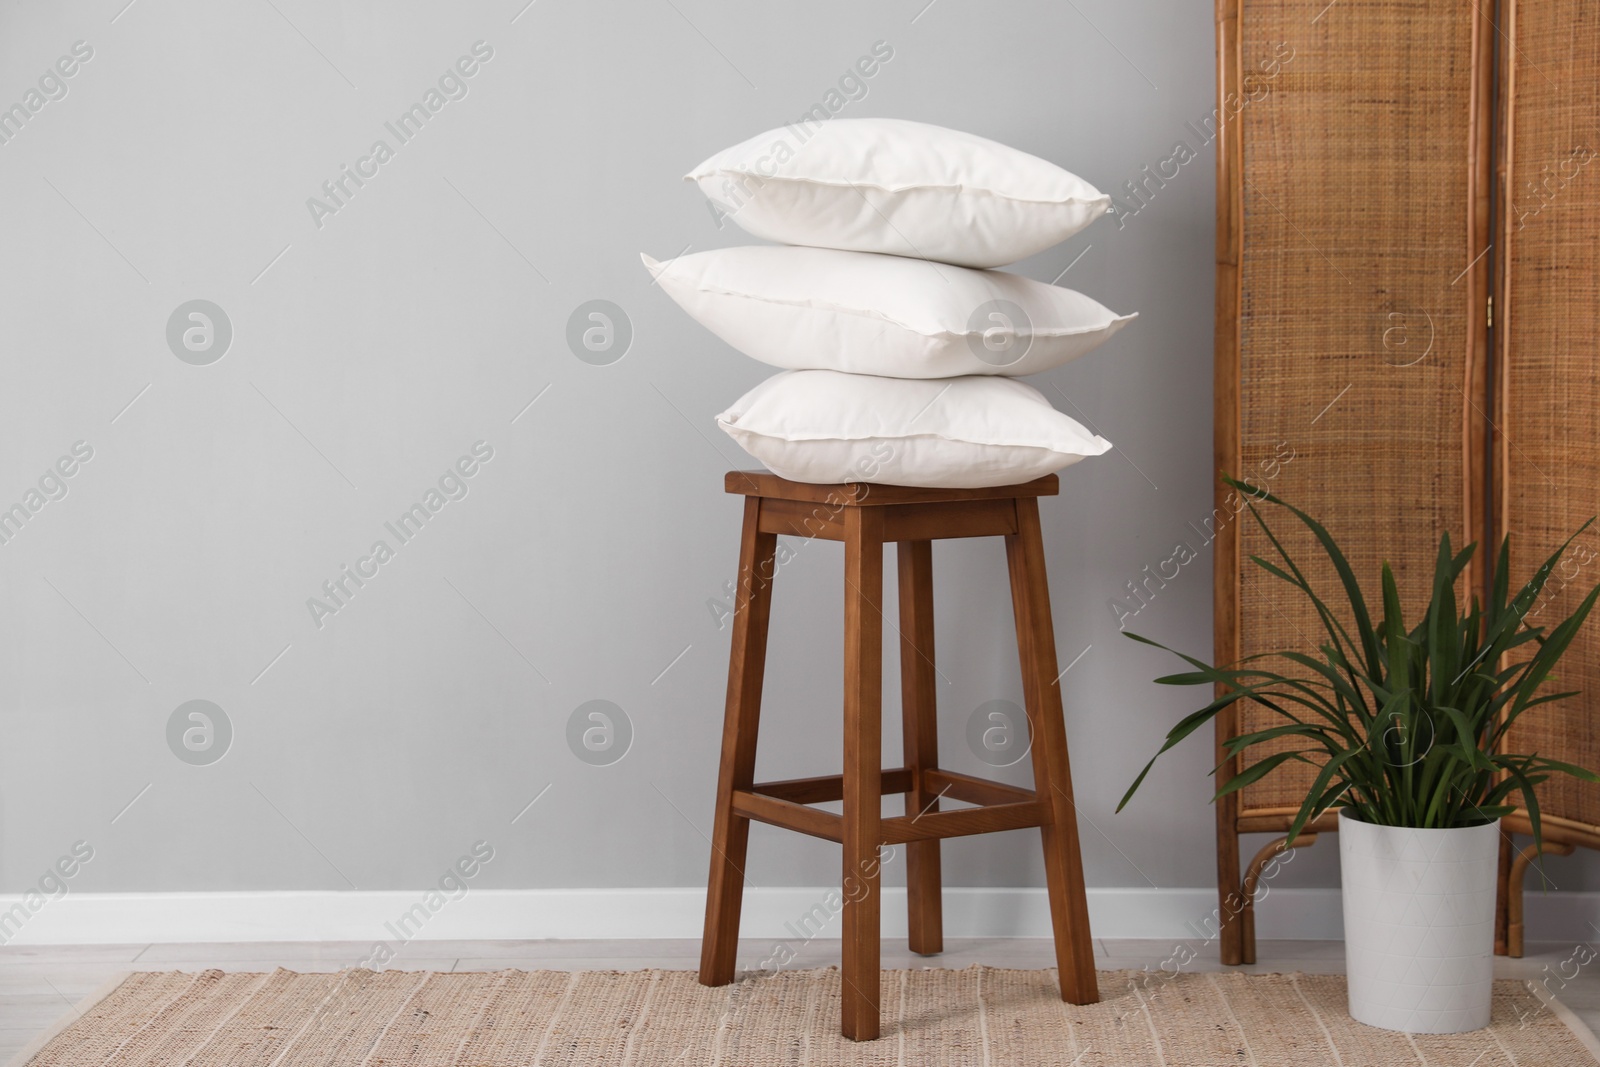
{"points": [[423, 317]]}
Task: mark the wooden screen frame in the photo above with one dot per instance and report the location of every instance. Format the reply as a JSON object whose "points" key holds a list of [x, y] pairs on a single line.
{"points": [[1236, 886]]}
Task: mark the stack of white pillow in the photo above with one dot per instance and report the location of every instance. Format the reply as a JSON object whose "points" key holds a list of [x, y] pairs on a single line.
{"points": [[900, 347]]}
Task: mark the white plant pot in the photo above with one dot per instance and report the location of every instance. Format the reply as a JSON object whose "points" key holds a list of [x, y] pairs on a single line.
{"points": [[1419, 924]]}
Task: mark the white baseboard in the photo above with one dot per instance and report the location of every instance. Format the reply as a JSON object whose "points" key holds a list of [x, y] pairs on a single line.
{"points": [[769, 913]]}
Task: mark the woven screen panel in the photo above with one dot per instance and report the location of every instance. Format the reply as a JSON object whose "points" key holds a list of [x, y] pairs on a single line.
{"points": [[1550, 455], [1353, 340]]}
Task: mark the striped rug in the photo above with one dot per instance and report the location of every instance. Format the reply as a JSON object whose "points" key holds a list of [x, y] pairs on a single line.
{"points": [[660, 1018]]}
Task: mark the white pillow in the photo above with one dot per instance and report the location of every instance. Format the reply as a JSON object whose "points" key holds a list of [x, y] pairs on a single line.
{"points": [[824, 426], [821, 309], [906, 188]]}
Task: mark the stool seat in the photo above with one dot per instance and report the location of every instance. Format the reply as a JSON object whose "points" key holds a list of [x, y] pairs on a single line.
{"points": [[865, 517]]}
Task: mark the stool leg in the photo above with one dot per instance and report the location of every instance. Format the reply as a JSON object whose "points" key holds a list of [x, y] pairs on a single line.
{"points": [[746, 665], [1069, 909], [863, 770], [918, 701]]}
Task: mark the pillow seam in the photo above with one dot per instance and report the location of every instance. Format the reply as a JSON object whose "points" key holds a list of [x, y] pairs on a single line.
{"points": [[731, 428], [878, 316], [1102, 198]]}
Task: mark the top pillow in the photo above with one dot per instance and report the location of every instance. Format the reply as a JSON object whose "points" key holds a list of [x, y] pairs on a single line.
{"points": [[900, 187]]}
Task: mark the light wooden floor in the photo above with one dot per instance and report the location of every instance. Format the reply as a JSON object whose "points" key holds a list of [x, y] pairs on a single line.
{"points": [[40, 985]]}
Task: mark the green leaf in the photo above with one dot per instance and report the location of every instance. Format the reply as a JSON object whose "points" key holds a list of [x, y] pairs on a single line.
{"points": [[1318, 790], [1257, 771], [1236, 745], [1553, 648], [1358, 604]]}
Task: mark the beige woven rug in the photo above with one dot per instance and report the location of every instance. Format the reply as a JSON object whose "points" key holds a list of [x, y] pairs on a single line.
{"points": [[661, 1018]]}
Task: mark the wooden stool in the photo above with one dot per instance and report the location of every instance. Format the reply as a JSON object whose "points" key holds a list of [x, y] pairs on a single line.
{"points": [[865, 517]]}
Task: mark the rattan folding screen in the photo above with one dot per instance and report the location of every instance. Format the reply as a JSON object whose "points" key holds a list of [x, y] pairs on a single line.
{"points": [[1357, 211], [1547, 391]]}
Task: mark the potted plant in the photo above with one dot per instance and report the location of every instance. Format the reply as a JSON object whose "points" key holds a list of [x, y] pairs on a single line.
{"points": [[1406, 727]]}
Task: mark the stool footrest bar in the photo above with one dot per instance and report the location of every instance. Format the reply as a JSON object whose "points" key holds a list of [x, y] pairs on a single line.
{"points": [[963, 821], [789, 815], [828, 787], [958, 786], [1012, 814]]}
